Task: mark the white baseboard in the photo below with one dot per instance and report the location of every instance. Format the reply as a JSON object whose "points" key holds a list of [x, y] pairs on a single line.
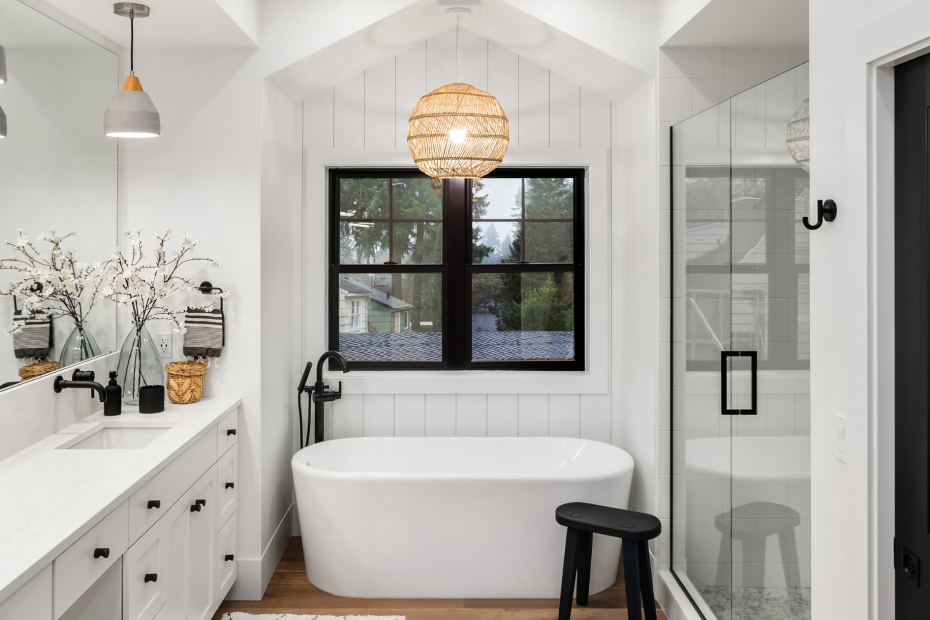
{"points": [[672, 598], [255, 574]]}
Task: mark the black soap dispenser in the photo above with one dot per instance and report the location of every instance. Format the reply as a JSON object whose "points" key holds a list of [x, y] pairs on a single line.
{"points": [[114, 393]]}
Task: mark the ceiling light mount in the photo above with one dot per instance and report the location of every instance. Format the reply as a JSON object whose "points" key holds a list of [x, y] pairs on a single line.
{"points": [[131, 10], [460, 7]]}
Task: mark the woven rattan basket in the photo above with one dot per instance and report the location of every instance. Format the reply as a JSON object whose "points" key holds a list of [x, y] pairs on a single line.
{"points": [[34, 370], [185, 382]]}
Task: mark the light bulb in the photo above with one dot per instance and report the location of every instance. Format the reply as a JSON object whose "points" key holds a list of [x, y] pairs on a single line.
{"points": [[457, 136]]}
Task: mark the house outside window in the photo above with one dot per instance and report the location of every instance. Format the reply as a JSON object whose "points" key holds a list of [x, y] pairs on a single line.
{"points": [[459, 274]]}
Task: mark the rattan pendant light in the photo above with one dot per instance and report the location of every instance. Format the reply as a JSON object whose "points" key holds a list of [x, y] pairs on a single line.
{"points": [[458, 130]]}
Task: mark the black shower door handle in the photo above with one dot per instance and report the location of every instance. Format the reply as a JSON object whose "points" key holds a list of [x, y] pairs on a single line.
{"points": [[723, 382]]}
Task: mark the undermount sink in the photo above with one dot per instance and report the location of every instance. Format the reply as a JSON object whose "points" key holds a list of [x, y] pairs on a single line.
{"points": [[119, 438]]}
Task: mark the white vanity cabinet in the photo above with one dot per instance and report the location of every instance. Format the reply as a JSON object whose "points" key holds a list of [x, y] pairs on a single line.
{"points": [[173, 539]]}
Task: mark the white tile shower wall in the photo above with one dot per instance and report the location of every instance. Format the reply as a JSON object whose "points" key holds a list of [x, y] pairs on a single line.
{"points": [[693, 80]]}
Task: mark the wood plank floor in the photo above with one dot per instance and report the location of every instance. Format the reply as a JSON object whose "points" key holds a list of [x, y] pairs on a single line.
{"points": [[291, 592]]}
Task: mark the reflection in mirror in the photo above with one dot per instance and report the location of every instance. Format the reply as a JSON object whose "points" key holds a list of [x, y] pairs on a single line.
{"points": [[58, 214]]}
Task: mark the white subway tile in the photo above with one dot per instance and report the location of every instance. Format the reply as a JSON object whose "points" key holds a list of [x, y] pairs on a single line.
{"points": [[707, 93], [757, 62], [692, 62], [674, 99]]}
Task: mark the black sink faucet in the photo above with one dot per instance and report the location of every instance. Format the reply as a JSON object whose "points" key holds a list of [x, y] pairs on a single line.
{"points": [[322, 394], [81, 379]]}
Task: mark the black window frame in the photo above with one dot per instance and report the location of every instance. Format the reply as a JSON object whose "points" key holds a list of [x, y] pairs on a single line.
{"points": [[457, 268]]}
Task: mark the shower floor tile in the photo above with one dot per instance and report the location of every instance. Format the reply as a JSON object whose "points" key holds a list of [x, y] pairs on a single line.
{"points": [[758, 603]]}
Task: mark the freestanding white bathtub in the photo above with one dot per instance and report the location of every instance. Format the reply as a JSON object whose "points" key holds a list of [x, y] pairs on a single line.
{"points": [[451, 517]]}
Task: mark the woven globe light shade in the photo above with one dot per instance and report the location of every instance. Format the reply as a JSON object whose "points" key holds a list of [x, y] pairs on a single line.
{"points": [[799, 136], [458, 131]]}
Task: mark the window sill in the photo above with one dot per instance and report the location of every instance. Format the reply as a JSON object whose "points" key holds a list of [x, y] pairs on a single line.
{"points": [[470, 382]]}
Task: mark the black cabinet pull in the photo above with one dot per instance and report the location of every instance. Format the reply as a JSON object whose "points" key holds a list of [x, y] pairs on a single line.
{"points": [[231, 431], [153, 577], [230, 558], [102, 552], [230, 485], [202, 502], [154, 503], [196, 508]]}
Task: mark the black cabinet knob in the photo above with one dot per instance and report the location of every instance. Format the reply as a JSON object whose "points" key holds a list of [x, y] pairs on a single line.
{"points": [[154, 503], [151, 577], [230, 485], [196, 508], [231, 431], [230, 558], [102, 552], [202, 502]]}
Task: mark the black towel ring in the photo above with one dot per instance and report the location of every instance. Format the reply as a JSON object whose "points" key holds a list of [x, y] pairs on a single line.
{"points": [[208, 289]]}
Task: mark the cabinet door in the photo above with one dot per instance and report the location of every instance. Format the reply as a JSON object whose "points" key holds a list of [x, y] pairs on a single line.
{"points": [[146, 565], [177, 532], [200, 544], [227, 481], [227, 544], [33, 600]]}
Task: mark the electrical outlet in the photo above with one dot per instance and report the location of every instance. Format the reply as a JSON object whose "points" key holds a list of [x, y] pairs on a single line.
{"points": [[163, 342]]}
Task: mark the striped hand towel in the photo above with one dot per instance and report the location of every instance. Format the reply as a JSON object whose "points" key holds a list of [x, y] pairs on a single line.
{"points": [[33, 335], [205, 334]]}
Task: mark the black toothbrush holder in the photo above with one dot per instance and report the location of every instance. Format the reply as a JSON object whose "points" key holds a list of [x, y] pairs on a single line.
{"points": [[151, 399]]}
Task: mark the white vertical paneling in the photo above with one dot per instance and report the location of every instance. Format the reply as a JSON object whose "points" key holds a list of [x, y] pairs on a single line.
{"points": [[471, 415], [379, 415], [564, 415], [349, 113], [534, 105], [379, 106], [348, 416], [594, 419], [595, 120], [440, 415], [327, 422], [503, 83], [409, 411], [564, 113], [440, 60], [473, 60], [410, 85], [533, 411], [318, 120], [503, 420]]}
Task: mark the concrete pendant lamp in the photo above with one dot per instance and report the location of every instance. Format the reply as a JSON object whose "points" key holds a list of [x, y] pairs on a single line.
{"points": [[2, 65], [131, 113]]}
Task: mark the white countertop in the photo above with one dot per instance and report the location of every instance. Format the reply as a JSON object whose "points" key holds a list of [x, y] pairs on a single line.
{"points": [[49, 498]]}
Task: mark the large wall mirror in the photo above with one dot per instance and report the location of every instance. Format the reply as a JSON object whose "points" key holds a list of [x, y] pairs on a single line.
{"points": [[58, 176]]}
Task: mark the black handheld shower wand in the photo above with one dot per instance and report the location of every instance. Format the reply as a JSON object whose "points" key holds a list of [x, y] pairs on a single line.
{"points": [[301, 388]]}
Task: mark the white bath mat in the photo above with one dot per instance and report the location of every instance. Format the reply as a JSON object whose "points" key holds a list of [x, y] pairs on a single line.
{"points": [[241, 615]]}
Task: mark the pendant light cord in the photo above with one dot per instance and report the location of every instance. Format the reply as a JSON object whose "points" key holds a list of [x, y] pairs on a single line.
{"points": [[132, 40], [458, 20]]}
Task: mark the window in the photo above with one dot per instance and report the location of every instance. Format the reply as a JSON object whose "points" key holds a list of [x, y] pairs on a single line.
{"points": [[460, 274]]}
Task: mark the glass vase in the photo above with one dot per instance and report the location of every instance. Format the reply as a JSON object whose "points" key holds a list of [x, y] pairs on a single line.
{"points": [[139, 364], [79, 346]]}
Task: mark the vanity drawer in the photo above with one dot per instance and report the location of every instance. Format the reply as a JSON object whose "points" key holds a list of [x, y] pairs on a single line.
{"points": [[227, 488], [153, 500], [146, 568], [33, 600], [227, 432], [77, 568], [227, 561]]}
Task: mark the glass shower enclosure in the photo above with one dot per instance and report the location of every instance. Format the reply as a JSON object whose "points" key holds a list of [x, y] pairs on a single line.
{"points": [[740, 347]]}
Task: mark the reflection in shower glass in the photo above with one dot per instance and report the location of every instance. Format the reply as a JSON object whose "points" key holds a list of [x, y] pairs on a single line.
{"points": [[741, 483]]}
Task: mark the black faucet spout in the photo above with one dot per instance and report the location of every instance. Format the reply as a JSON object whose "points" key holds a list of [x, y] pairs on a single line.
{"points": [[62, 384], [335, 355], [323, 395]]}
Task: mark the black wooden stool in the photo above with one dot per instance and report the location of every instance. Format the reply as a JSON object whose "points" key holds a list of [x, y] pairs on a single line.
{"points": [[635, 529]]}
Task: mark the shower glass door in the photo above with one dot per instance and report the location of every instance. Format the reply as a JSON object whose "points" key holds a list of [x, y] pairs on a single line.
{"points": [[740, 357]]}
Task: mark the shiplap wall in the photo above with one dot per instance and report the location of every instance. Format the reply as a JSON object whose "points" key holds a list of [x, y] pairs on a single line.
{"points": [[370, 111]]}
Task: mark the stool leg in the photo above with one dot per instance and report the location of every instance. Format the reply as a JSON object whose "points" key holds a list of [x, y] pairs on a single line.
{"points": [[631, 579], [568, 574], [585, 545], [645, 581]]}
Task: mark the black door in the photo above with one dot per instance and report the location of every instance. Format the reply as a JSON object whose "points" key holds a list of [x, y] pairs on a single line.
{"points": [[912, 339]]}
